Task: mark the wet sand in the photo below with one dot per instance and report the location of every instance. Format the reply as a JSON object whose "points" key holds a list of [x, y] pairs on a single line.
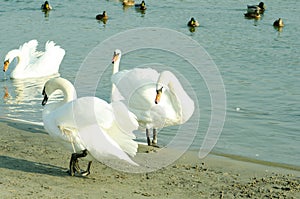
{"points": [[34, 165]]}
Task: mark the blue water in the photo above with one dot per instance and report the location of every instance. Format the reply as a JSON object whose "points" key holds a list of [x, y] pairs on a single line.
{"points": [[259, 64]]}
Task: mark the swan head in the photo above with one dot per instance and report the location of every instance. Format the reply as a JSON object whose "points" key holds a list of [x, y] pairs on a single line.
{"points": [[58, 83], [165, 83], [116, 56], [158, 94], [10, 57]]}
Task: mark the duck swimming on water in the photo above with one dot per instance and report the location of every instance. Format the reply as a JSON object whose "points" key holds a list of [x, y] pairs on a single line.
{"points": [[193, 23], [102, 16], [141, 6], [253, 15], [278, 23], [46, 6], [260, 7]]}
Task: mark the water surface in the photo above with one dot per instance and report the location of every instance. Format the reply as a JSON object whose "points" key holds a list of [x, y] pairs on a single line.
{"points": [[259, 64]]}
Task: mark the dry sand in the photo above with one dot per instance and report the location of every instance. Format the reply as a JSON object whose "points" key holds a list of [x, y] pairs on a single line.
{"points": [[33, 165]]}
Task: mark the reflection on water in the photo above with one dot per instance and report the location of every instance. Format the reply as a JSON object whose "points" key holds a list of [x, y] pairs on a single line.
{"points": [[6, 93], [23, 98]]}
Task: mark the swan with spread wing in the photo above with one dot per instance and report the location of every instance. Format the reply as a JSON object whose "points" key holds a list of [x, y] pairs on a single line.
{"points": [[32, 63], [89, 125]]}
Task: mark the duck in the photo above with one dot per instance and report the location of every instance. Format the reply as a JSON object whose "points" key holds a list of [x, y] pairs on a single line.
{"points": [[141, 6], [253, 15], [157, 99], [32, 63], [89, 126], [278, 23], [260, 7], [102, 16], [128, 3], [193, 23], [46, 6]]}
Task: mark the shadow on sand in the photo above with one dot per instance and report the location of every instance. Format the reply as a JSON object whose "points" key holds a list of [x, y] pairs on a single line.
{"points": [[31, 167]]}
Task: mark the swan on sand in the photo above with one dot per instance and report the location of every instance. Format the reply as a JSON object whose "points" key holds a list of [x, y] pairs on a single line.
{"points": [[158, 100], [32, 63], [90, 125]]}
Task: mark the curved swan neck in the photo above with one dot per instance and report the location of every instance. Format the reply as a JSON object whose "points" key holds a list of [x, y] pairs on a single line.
{"points": [[69, 93], [186, 104], [12, 54], [166, 78], [64, 85], [15, 54]]}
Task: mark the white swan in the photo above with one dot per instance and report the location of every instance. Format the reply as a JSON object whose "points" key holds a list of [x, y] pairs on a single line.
{"points": [[158, 100], [89, 125], [32, 63]]}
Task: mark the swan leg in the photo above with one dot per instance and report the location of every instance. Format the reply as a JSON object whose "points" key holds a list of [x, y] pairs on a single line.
{"points": [[74, 165], [148, 137], [87, 172], [154, 141]]}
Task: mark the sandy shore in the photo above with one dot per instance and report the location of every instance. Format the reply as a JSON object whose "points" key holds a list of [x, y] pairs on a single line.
{"points": [[33, 165]]}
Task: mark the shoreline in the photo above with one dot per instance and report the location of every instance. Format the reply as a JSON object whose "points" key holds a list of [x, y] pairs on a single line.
{"points": [[34, 125], [33, 164]]}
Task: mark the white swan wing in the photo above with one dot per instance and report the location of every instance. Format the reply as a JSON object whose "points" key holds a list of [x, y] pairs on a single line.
{"points": [[75, 115], [139, 91], [128, 81], [125, 119], [48, 62], [112, 133], [92, 110], [121, 130], [27, 52], [100, 145], [115, 119], [89, 123]]}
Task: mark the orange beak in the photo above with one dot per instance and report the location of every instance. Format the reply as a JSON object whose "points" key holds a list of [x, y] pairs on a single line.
{"points": [[5, 67], [115, 58], [158, 96]]}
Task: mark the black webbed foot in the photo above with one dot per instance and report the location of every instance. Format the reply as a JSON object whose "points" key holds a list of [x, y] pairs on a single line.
{"points": [[74, 165]]}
